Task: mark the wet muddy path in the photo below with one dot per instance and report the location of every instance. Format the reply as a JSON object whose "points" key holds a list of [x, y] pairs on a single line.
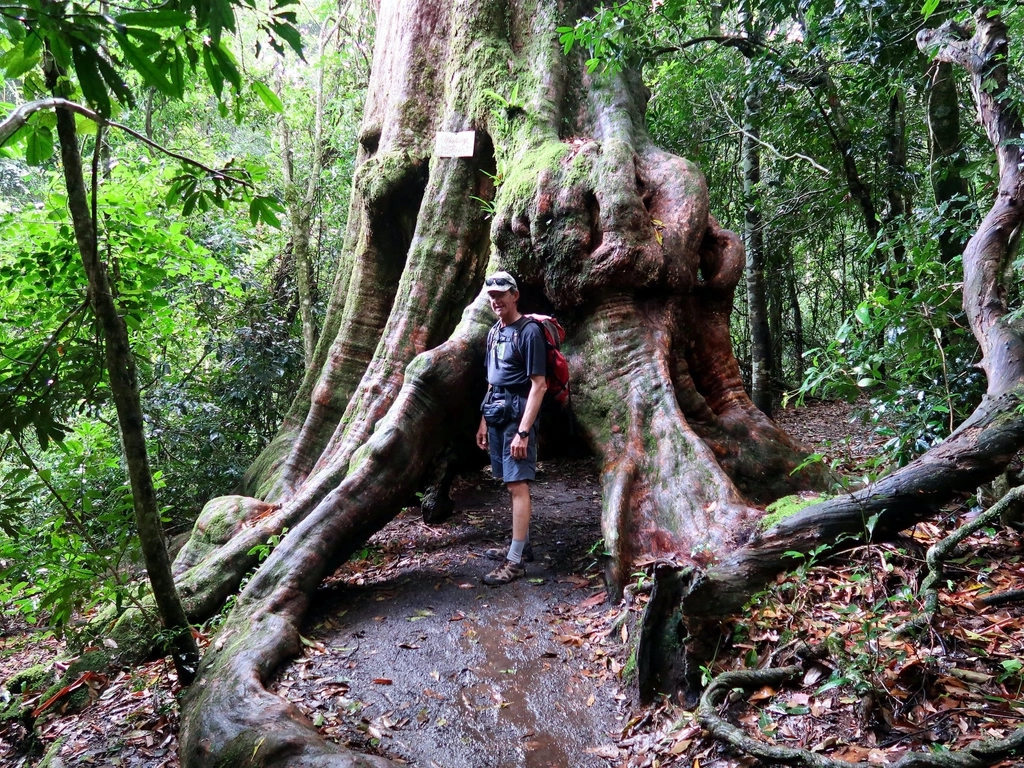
{"points": [[409, 655]]}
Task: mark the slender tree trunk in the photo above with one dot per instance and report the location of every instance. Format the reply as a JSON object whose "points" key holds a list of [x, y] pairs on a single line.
{"points": [[947, 157], [797, 314], [842, 139], [761, 361], [301, 202], [150, 93], [776, 313], [896, 176], [124, 386], [300, 218]]}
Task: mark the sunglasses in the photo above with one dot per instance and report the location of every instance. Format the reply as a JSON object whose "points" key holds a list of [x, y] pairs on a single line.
{"points": [[497, 282]]}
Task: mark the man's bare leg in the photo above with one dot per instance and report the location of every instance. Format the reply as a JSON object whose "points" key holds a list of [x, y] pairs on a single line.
{"points": [[522, 509]]}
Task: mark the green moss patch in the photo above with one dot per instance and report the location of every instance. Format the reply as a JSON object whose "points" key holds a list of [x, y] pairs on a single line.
{"points": [[31, 679], [787, 506]]}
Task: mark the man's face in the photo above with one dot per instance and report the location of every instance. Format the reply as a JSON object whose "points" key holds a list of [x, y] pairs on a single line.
{"points": [[503, 303]]}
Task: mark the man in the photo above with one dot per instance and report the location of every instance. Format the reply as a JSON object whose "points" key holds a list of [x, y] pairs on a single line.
{"points": [[516, 361]]}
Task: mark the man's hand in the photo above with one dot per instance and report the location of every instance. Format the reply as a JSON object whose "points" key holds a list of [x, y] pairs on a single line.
{"points": [[481, 435], [518, 447]]}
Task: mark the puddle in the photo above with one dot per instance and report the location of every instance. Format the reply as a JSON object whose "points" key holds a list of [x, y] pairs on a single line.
{"points": [[448, 673]]}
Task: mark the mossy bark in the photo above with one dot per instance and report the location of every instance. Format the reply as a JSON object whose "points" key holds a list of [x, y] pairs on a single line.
{"points": [[566, 190]]}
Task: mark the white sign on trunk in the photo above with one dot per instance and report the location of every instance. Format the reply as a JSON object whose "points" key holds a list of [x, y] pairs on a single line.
{"points": [[455, 144]]}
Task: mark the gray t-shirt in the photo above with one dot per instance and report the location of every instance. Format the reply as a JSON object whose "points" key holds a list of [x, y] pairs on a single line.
{"points": [[515, 353]]}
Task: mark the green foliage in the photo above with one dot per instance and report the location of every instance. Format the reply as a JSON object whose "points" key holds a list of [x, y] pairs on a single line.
{"points": [[198, 271], [68, 528], [908, 347], [262, 551], [612, 36], [216, 364], [53, 366], [111, 57]]}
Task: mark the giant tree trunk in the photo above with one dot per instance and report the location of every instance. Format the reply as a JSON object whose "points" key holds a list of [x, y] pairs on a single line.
{"points": [[658, 391]]}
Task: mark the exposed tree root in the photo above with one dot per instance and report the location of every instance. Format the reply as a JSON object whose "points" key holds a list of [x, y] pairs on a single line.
{"points": [[1009, 597], [989, 439], [229, 716], [980, 754], [942, 550]]}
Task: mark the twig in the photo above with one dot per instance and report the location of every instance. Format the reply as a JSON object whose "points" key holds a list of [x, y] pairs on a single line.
{"points": [[19, 117], [1004, 598], [769, 147], [939, 552], [42, 353], [979, 754]]}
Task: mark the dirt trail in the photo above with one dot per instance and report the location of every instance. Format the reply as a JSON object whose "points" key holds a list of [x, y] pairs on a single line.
{"points": [[415, 658]]}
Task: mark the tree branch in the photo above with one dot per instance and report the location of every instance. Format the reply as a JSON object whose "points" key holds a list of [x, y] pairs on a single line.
{"points": [[795, 156], [42, 353], [19, 118], [979, 754], [985, 56], [939, 552]]}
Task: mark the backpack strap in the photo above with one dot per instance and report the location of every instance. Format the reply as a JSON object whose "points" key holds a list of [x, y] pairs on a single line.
{"points": [[516, 336], [491, 336]]}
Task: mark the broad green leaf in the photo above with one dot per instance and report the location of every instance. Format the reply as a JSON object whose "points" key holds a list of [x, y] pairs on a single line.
{"points": [[17, 61], [213, 73], [157, 19], [114, 82], [33, 45], [21, 135], [177, 71], [290, 35], [150, 42], [141, 63], [863, 313], [84, 126], [87, 69], [219, 16], [39, 147], [227, 65], [14, 27], [60, 50], [929, 8], [268, 97]]}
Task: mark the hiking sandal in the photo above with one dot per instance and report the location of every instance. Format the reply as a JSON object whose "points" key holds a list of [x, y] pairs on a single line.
{"points": [[505, 573]]}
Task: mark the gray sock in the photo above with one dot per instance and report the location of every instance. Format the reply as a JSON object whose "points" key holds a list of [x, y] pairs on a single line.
{"points": [[515, 552]]}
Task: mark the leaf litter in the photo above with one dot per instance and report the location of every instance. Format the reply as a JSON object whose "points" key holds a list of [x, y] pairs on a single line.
{"points": [[866, 694]]}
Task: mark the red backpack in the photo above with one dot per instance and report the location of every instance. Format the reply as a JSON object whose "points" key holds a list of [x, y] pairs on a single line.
{"points": [[557, 366]]}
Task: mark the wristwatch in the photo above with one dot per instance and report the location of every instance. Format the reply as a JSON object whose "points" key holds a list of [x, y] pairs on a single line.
{"points": [[523, 434]]}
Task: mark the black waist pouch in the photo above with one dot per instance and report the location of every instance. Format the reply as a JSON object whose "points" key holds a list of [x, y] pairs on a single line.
{"points": [[500, 408]]}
